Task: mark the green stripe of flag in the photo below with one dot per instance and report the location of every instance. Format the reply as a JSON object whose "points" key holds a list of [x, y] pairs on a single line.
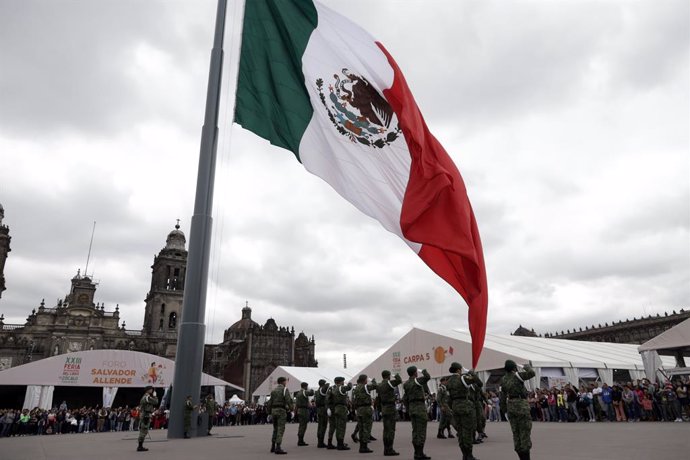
{"points": [[271, 100]]}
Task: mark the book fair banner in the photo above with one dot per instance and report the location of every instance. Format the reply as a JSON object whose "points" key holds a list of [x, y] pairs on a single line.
{"points": [[99, 368]]}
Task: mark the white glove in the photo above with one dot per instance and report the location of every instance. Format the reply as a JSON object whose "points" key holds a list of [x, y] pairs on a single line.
{"points": [[328, 411]]}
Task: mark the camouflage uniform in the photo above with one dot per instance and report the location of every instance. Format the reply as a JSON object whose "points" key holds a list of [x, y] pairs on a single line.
{"points": [[188, 409], [321, 412], [210, 404], [330, 406], [415, 401], [147, 405], [514, 399], [462, 405], [280, 402], [339, 396], [361, 396], [443, 400], [479, 400], [302, 403], [386, 394]]}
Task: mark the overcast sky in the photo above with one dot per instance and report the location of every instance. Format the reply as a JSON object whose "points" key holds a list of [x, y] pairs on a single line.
{"points": [[569, 122]]}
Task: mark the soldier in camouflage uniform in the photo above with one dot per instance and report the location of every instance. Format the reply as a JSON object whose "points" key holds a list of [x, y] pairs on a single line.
{"points": [[330, 411], [278, 405], [479, 399], [415, 402], [386, 394], [361, 396], [321, 412], [302, 403], [443, 400], [339, 398], [462, 405], [211, 408], [147, 405], [514, 400], [188, 409]]}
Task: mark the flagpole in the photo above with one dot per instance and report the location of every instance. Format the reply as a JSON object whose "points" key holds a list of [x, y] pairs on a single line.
{"points": [[190, 340]]}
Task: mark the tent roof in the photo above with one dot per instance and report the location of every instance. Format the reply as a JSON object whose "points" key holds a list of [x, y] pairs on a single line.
{"points": [[678, 337], [436, 351], [296, 375], [100, 368]]}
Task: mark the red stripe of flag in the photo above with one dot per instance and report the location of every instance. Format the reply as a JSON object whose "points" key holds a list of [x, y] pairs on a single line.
{"points": [[437, 213]]}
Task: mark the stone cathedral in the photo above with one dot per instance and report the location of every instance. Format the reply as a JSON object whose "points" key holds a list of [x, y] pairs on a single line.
{"points": [[248, 353]]}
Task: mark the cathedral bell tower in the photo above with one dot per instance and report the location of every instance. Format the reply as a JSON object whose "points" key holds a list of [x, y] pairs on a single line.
{"points": [[164, 300], [4, 248]]}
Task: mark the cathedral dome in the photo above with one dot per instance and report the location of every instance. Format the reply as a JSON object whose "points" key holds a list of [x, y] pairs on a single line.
{"points": [[176, 239], [246, 322]]}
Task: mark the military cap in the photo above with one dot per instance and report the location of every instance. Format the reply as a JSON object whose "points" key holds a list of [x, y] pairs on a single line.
{"points": [[386, 374], [339, 379], [412, 370], [304, 384], [322, 382], [148, 387], [281, 379], [510, 365], [362, 378], [455, 366]]}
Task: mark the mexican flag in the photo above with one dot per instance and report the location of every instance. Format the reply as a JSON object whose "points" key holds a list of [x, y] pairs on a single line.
{"points": [[313, 82]]}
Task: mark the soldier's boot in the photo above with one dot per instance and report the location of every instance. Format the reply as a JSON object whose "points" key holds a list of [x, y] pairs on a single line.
{"points": [[354, 437], [476, 440], [416, 452], [273, 447], [450, 434], [470, 456], [342, 446], [279, 450], [330, 444], [371, 438], [141, 447], [186, 435], [483, 435], [388, 450], [440, 435], [320, 443], [423, 456], [364, 449], [301, 442]]}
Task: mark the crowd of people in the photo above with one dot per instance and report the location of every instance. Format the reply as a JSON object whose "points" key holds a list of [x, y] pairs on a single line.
{"points": [[625, 402]]}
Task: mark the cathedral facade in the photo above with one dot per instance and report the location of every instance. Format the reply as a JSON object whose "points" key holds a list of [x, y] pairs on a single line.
{"points": [[250, 352], [77, 322]]}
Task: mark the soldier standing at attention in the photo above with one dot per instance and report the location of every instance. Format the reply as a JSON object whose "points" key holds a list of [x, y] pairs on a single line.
{"points": [[146, 407], [462, 405], [446, 414], [478, 396], [415, 402], [278, 405], [514, 399], [339, 395], [386, 394], [321, 412], [210, 411], [362, 402], [330, 411], [188, 409], [302, 403]]}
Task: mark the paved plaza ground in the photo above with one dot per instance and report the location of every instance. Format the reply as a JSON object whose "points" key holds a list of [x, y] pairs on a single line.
{"points": [[571, 441]]}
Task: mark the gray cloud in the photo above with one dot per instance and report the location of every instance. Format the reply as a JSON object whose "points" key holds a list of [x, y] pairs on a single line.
{"points": [[568, 123]]}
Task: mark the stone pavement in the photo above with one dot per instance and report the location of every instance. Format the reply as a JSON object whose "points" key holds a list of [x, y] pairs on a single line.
{"points": [[552, 441]]}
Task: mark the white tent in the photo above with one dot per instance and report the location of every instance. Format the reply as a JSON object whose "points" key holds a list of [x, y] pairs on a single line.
{"points": [[109, 369], [674, 342], [567, 360], [295, 376], [235, 400]]}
